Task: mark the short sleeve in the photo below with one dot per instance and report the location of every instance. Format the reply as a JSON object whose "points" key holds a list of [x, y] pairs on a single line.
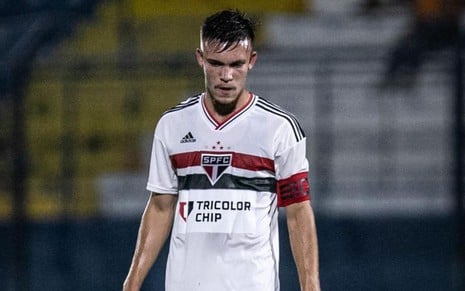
{"points": [[162, 178], [291, 167]]}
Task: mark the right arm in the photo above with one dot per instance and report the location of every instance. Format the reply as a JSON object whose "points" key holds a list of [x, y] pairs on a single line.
{"points": [[155, 226]]}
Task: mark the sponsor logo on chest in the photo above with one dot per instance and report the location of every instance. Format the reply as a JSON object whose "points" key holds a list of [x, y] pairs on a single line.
{"points": [[211, 210]]}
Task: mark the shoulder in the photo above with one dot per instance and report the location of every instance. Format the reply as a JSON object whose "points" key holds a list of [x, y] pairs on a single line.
{"points": [[184, 105], [280, 116], [176, 115]]}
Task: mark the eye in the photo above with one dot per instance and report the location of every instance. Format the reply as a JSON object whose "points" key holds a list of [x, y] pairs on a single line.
{"points": [[215, 63], [237, 64]]}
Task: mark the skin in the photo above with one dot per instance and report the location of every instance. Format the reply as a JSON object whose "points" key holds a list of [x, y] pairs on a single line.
{"points": [[304, 244], [225, 73], [154, 229]]}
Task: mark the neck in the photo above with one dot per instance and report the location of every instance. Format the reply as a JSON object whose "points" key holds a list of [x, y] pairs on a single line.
{"points": [[221, 112]]}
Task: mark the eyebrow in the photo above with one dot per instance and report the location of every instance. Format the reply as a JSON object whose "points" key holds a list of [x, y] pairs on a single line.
{"points": [[217, 62]]}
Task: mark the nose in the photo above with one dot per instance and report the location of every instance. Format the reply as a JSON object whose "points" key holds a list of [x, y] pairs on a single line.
{"points": [[226, 74]]}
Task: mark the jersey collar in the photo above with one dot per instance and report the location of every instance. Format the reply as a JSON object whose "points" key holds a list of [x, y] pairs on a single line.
{"points": [[220, 125]]}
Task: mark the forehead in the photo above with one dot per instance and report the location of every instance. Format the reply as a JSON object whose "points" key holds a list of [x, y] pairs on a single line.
{"points": [[233, 54], [217, 49]]}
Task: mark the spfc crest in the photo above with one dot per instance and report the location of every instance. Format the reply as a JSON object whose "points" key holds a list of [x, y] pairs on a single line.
{"points": [[215, 165]]}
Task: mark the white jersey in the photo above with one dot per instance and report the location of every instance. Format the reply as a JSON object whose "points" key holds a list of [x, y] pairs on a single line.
{"points": [[230, 178]]}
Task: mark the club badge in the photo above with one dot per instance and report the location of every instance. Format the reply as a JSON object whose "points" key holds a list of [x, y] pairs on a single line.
{"points": [[215, 165]]}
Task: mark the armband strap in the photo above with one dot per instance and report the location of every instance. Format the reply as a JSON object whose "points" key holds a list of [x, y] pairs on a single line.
{"points": [[293, 189]]}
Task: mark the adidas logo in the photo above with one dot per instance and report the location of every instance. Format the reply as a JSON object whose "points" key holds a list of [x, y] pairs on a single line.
{"points": [[188, 138]]}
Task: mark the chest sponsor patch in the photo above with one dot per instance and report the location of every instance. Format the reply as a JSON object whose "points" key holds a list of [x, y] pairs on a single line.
{"points": [[220, 211], [215, 165]]}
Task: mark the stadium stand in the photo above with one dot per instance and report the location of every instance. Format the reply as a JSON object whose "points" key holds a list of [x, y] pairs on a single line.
{"points": [[28, 26], [380, 160]]}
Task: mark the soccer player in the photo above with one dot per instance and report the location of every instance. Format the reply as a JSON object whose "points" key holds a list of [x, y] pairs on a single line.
{"points": [[222, 163]]}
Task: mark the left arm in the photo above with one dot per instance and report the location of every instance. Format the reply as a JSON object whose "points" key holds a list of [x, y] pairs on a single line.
{"points": [[304, 244]]}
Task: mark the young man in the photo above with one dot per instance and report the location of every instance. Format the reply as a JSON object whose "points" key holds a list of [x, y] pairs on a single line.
{"points": [[222, 163]]}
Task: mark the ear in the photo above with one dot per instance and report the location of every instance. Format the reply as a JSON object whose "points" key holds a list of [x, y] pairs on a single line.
{"points": [[199, 57], [252, 60]]}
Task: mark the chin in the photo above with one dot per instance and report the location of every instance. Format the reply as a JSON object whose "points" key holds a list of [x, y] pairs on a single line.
{"points": [[225, 99]]}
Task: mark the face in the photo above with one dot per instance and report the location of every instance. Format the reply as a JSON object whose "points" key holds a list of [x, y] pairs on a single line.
{"points": [[225, 73]]}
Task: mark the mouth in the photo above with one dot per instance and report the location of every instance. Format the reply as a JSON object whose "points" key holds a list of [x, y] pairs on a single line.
{"points": [[226, 90]]}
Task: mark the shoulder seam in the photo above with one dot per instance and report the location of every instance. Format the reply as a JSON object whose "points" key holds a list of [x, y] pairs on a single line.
{"points": [[184, 104], [278, 111]]}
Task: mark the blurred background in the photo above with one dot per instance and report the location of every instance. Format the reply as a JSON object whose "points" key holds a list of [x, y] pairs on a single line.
{"points": [[377, 85]]}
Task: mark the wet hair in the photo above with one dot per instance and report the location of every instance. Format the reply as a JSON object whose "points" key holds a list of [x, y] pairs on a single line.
{"points": [[228, 27]]}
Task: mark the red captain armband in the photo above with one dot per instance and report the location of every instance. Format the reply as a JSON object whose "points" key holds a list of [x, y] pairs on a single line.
{"points": [[293, 189]]}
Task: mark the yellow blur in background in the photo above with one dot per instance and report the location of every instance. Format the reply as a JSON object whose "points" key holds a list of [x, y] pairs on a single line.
{"points": [[92, 106]]}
